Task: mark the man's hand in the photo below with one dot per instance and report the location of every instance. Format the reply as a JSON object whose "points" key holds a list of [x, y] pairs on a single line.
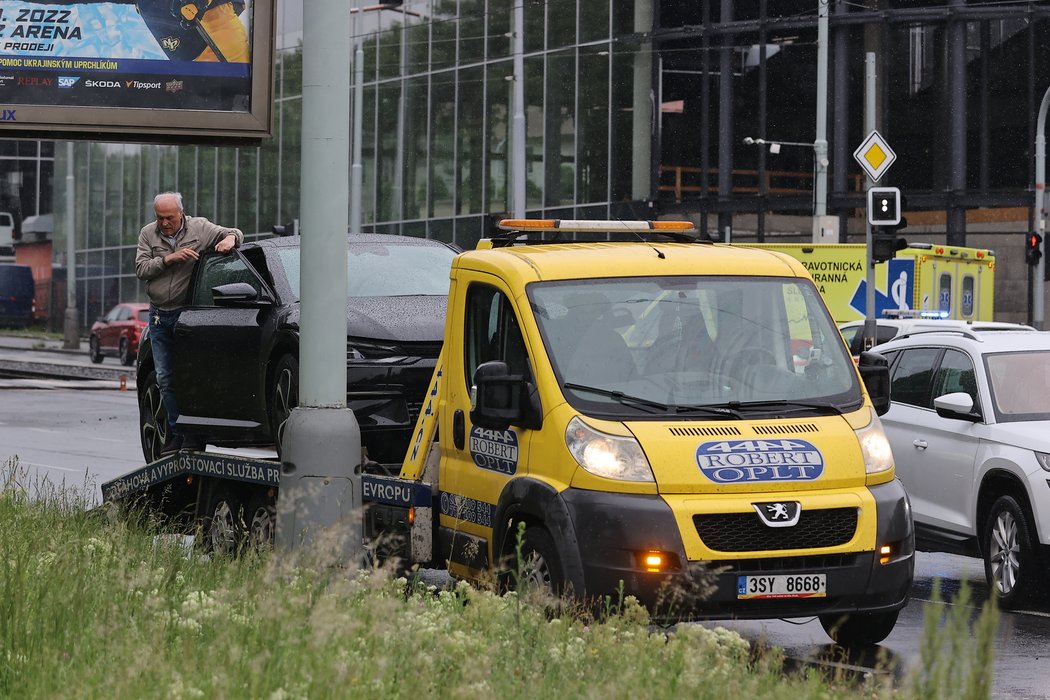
{"points": [[226, 244], [180, 256]]}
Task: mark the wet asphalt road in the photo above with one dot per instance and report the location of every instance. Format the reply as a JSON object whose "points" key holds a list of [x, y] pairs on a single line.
{"points": [[83, 433]]}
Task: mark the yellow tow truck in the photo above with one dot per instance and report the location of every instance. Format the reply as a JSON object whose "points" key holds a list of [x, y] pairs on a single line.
{"points": [[637, 412]]}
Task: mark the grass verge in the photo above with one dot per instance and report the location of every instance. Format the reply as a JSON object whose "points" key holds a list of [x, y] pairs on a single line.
{"points": [[97, 607]]}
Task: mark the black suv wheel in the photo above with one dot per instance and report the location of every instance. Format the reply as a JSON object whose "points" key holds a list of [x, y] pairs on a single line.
{"points": [[153, 419]]}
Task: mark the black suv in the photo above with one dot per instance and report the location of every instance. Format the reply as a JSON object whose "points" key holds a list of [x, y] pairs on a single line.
{"points": [[237, 344]]}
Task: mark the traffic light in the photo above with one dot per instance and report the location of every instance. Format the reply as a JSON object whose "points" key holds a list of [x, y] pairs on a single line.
{"points": [[884, 206], [1033, 248], [885, 244], [289, 229]]}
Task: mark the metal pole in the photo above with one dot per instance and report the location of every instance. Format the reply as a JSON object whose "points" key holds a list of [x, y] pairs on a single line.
{"points": [[820, 144], [71, 327], [1038, 284], [319, 498], [517, 153], [869, 126], [355, 168], [399, 163], [324, 205]]}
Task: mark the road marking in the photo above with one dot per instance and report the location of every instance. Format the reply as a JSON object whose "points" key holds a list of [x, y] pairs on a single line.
{"points": [[974, 606], [78, 470]]}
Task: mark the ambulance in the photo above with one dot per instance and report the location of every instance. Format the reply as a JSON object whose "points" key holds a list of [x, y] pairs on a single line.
{"points": [[942, 280]]}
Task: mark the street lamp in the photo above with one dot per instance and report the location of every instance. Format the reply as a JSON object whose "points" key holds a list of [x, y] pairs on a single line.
{"points": [[824, 227], [774, 146]]}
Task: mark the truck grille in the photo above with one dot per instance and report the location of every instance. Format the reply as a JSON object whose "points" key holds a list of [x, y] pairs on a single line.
{"points": [[745, 532]]}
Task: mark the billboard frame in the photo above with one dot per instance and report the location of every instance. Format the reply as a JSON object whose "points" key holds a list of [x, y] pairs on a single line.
{"points": [[164, 125]]}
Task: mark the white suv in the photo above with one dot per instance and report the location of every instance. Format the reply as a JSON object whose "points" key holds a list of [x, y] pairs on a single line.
{"points": [[887, 329], [969, 425]]}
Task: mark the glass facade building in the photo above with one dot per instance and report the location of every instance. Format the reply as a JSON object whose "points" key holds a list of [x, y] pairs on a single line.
{"points": [[633, 109]]}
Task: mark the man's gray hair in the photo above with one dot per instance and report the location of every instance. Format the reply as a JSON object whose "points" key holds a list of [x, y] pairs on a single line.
{"points": [[176, 195]]}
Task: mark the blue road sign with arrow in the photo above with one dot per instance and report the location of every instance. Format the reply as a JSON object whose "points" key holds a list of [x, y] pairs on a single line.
{"points": [[900, 292]]}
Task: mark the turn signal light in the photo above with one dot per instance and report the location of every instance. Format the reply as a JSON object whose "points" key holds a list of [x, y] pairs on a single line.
{"points": [[885, 553], [655, 561]]}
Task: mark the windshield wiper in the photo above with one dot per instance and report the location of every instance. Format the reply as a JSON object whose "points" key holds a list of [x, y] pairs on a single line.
{"points": [[623, 398], [792, 406], [724, 410]]}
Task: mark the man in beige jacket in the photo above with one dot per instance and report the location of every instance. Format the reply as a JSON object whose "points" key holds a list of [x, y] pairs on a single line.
{"points": [[168, 249]]}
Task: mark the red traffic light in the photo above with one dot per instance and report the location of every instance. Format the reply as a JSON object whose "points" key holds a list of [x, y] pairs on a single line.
{"points": [[1033, 248]]}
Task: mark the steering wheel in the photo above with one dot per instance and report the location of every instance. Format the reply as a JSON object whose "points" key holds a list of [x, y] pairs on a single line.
{"points": [[737, 365]]}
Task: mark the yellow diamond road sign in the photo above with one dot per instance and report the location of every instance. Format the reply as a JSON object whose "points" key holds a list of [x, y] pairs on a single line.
{"points": [[875, 156]]}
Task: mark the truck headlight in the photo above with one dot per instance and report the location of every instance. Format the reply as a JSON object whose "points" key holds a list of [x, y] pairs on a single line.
{"points": [[609, 456], [874, 446]]}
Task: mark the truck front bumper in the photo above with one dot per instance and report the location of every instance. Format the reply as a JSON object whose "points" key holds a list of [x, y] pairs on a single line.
{"points": [[615, 531]]}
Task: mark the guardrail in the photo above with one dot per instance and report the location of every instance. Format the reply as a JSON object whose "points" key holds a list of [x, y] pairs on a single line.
{"points": [[684, 179]]}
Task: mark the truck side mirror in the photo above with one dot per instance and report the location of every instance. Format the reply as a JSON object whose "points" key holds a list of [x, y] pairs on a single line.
{"points": [[875, 373], [499, 399]]}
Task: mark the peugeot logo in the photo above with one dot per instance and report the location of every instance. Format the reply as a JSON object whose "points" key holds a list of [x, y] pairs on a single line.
{"points": [[782, 514]]}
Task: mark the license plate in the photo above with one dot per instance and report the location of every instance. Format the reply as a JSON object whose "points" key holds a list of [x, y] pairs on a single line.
{"points": [[782, 586]]}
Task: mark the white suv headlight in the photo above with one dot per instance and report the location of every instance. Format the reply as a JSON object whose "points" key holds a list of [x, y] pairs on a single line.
{"points": [[609, 456], [875, 447], [1043, 459]]}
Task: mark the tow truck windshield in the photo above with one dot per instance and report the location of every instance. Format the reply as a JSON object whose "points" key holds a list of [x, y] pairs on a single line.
{"points": [[634, 346]]}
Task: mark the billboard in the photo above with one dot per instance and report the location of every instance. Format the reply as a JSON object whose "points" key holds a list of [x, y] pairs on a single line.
{"points": [[167, 71]]}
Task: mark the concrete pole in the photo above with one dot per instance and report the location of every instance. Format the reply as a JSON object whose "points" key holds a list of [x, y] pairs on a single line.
{"points": [[518, 166], [1038, 285], [820, 144], [869, 126], [319, 498], [71, 326]]}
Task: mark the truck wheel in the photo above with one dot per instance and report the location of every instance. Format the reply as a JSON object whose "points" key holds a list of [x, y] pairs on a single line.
{"points": [[284, 396], [262, 528], [540, 569], [1011, 563], [225, 532], [94, 350], [126, 357], [859, 629], [153, 419]]}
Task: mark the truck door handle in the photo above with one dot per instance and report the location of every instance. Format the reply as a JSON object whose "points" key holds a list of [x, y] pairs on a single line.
{"points": [[921, 444], [458, 430]]}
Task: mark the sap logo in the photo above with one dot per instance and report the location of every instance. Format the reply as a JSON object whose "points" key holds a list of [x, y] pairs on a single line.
{"points": [[7, 115], [67, 82]]}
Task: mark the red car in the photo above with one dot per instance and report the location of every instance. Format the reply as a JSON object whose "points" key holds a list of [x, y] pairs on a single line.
{"points": [[118, 333]]}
